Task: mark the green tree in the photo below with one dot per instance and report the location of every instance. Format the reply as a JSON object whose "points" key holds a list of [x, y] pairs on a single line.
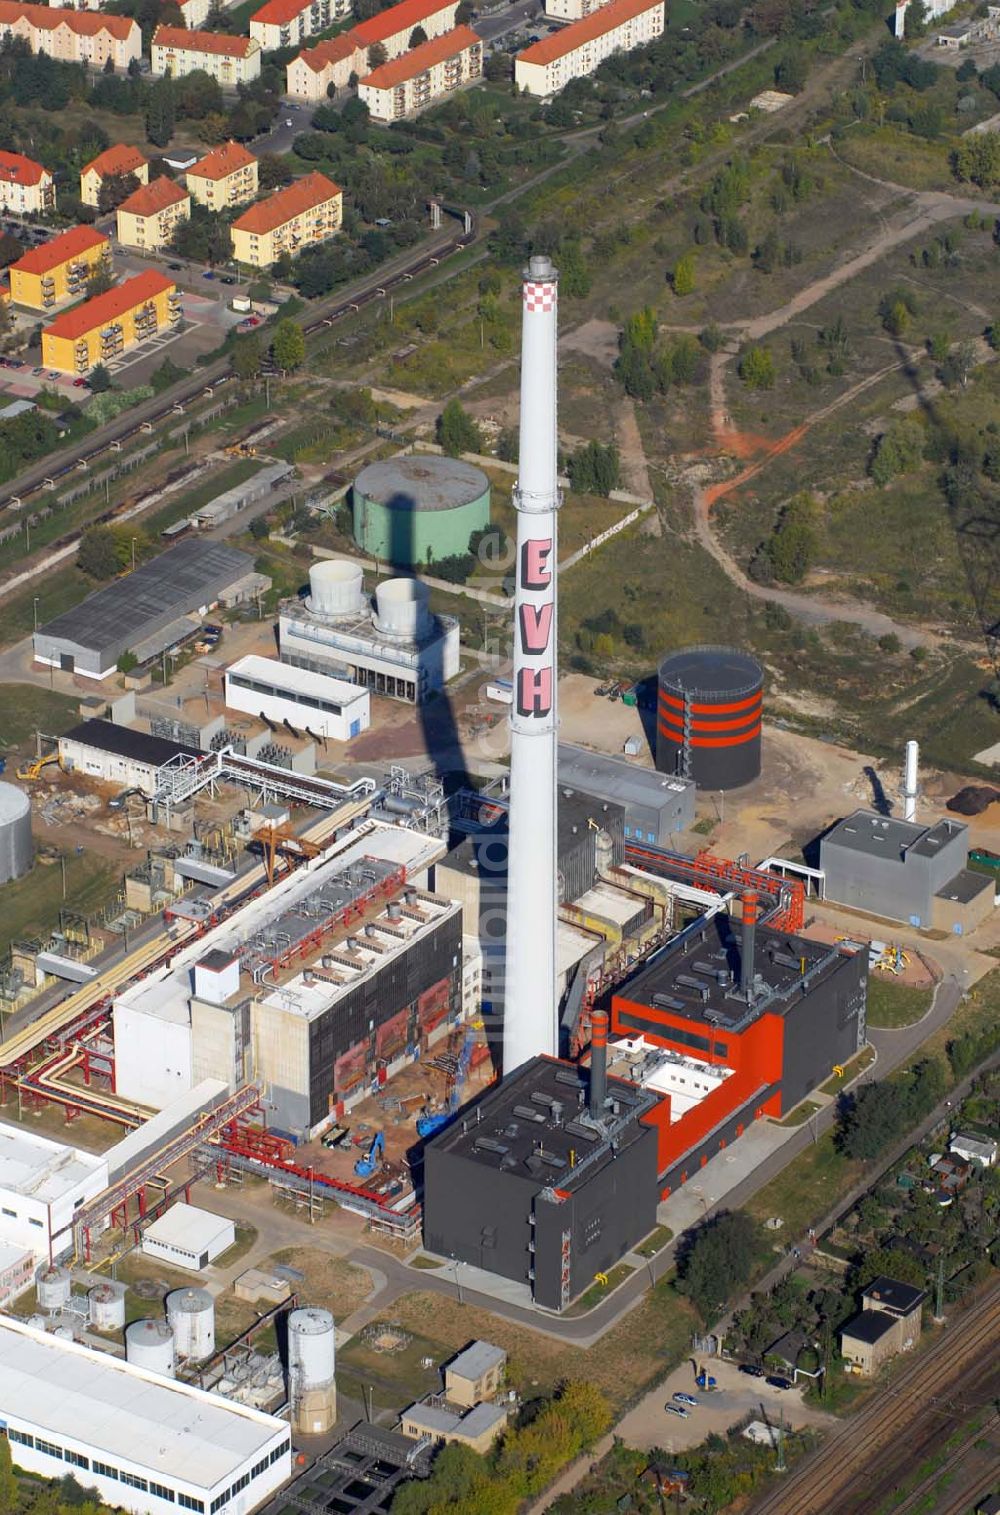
{"points": [[718, 1261], [259, 529], [594, 469], [896, 319], [100, 379], [417, 37], [165, 376], [377, 55], [898, 450], [161, 112], [682, 278], [246, 357], [114, 189], [574, 274], [457, 432], [100, 281], [97, 555], [794, 540], [288, 345], [757, 368], [9, 1497]]}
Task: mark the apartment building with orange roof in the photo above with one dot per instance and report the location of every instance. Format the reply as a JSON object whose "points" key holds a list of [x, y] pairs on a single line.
{"points": [[227, 176], [176, 52], [318, 72], [72, 36], [59, 270], [578, 49], [309, 211], [286, 23], [118, 159], [148, 218], [409, 83], [26, 187], [101, 329]]}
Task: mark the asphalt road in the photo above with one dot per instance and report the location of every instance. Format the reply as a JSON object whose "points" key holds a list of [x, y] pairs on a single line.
{"points": [[490, 28]]}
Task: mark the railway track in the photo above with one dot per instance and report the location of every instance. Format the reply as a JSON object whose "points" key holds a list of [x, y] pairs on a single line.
{"points": [[326, 314], [915, 1500], [829, 1482]]}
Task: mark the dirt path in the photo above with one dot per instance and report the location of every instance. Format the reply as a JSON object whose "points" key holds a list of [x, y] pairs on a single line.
{"points": [[925, 209], [635, 473]]}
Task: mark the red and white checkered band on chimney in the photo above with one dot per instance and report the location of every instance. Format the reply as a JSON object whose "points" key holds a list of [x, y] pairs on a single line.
{"points": [[539, 297]]}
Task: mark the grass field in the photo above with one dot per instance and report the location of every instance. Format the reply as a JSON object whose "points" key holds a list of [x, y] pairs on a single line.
{"points": [[891, 1004], [806, 1189], [25, 709], [30, 905], [801, 1114]]}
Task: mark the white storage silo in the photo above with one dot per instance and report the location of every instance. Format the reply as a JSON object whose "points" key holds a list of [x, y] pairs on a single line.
{"points": [[312, 1388], [16, 847], [191, 1313], [54, 1287], [401, 609], [336, 589], [106, 1304], [150, 1344]]}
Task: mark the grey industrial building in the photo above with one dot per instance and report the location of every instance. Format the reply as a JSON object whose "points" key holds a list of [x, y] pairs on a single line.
{"points": [[143, 612], [905, 871], [657, 806], [548, 1179]]}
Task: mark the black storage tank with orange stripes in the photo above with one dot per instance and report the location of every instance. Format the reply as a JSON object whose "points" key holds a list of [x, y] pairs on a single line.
{"points": [[708, 716]]}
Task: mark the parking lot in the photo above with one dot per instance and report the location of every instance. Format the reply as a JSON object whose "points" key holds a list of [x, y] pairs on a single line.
{"points": [[736, 1398]]}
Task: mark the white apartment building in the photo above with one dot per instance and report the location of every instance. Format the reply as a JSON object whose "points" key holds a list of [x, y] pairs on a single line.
{"points": [[571, 10], [321, 70], [286, 23], [548, 66], [142, 1442], [412, 81], [42, 1185], [25, 186], [231, 60]]}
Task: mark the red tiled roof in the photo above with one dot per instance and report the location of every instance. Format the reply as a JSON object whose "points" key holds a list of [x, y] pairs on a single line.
{"points": [[333, 50], [306, 193], [118, 159], [150, 198], [418, 59], [276, 12], [104, 309], [222, 162], [15, 168], [204, 42], [69, 244], [578, 32], [84, 23], [398, 18]]}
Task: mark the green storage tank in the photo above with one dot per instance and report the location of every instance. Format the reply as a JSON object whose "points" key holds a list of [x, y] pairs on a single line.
{"points": [[414, 511]]}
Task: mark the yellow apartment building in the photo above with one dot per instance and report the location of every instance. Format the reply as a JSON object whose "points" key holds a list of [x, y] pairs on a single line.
{"points": [[73, 36], [103, 328], [114, 160], [309, 211], [231, 60], [26, 187], [227, 176], [59, 270], [146, 220]]}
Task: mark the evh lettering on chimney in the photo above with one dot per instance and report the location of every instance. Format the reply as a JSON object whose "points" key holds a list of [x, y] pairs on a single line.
{"points": [[534, 691]]}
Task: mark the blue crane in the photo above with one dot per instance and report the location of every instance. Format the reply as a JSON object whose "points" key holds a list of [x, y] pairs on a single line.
{"points": [[427, 1125], [366, 1165]]}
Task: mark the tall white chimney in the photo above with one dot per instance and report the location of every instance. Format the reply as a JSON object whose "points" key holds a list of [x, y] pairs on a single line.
{"points": [[530, 1000], [910, 782]]}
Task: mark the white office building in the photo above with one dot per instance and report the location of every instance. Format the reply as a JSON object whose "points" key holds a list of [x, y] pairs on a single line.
{"points": [[42, 1185], [146, 1444], [312, 702]]}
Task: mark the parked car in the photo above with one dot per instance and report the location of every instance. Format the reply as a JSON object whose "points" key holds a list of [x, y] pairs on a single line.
{"points": [[751, 1370], [176, 268], [37, 372], [208, 274], [227, 279], [676, 1410], [777, 1382], [686, 1399], [54, 375], [80, 384]]}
